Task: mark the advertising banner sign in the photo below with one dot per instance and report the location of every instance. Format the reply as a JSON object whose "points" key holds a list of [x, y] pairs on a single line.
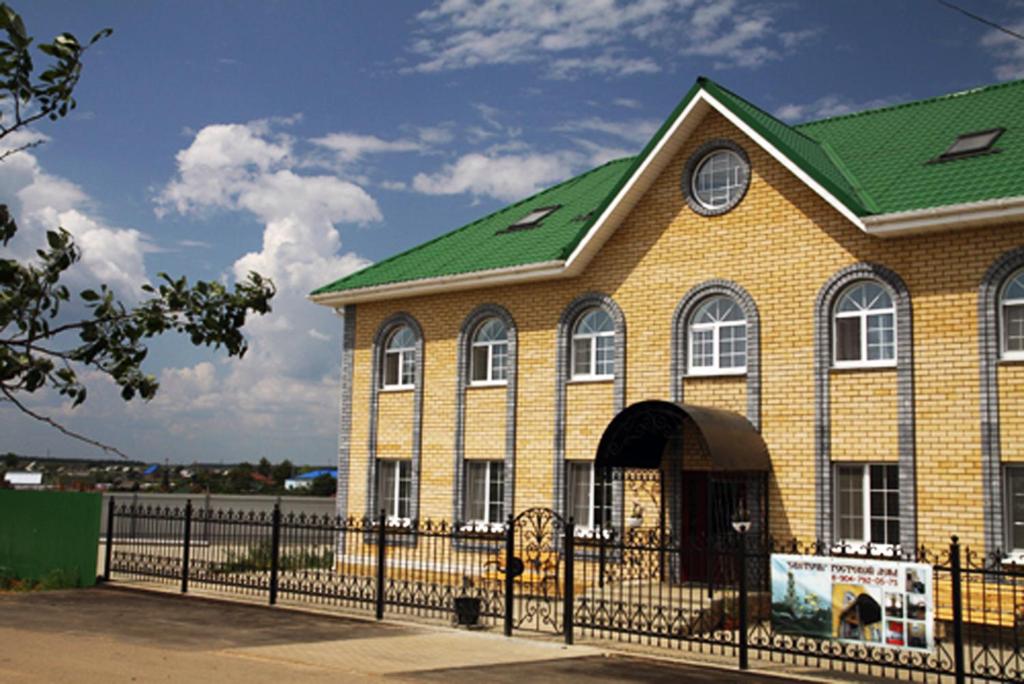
{"points": [[866, 601]]}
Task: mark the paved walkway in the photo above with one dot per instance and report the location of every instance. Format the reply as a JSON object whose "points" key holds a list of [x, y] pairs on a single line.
{"points": [[109, 635]]}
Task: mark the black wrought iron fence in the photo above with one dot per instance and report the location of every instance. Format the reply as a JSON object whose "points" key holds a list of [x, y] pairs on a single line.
{"points": [[540, 572]]}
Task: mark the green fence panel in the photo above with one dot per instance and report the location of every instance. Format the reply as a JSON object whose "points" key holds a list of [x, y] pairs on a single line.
{"points": [[50, 536]]}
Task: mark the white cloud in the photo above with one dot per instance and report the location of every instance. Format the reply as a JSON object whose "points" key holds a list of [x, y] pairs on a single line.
{"points": [[828, 106], [351, 147], [627, 102], [637, 131], [598, 154], [608, 65], [41, 201], [1009, 52], [570, 37], [284, 384], [508, 177]]}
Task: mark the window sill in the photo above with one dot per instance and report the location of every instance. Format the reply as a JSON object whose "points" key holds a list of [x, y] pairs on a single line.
{"points": [[1011, 359], [484, 384], [480, 528], [584, 379], [862, 366], [398, 388], [716, 373], [593, 533]]}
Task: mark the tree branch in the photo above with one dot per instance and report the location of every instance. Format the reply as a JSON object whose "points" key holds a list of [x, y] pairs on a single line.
{"points": [[26, 146], [51, 422]]}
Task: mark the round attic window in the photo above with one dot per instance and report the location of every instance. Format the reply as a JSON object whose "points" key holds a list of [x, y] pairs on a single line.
{"points": [[716, 178]]}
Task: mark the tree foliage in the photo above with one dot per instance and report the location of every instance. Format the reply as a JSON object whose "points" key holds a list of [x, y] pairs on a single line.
{"points": [[41, 347]]}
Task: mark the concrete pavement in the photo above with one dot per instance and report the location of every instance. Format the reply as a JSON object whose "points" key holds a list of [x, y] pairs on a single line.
{"points": [[104, 635]]}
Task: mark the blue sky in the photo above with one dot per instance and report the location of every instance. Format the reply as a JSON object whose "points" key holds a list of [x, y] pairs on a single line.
{"points": [[306, 139]]}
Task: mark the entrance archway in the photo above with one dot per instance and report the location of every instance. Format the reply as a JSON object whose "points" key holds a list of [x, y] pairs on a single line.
{"points": [[711, 463]]}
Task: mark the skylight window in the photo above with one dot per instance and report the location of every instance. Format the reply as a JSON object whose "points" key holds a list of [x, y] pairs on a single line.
{"points": [[533, 218], [971, 144]]}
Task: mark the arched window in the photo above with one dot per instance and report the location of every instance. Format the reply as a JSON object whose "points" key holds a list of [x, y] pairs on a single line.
{"points": [[400, 359], [718, 338], [864, 326], [489, 355], [593, 345], [1011, 317]]}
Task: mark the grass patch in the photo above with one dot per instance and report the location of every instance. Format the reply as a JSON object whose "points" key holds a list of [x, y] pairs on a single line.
{"points": [[258, 558], [58, 578]]}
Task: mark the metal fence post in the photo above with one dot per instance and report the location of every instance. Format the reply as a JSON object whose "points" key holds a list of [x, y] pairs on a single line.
{"points": [[108, 550], [381, 560], [601, 559], [744, 661], [510, 552], [275, 549], [958, 610], [187, 544], [569, 594]]}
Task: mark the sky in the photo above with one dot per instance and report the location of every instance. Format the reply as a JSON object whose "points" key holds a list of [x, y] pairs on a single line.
{"points": [[304, 140]]}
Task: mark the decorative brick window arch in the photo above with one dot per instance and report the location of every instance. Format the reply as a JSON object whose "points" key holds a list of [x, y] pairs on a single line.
{"points": [[563, 373], [465, 341], [687, 306], [823, 367], [990, 347], [379, 340]]}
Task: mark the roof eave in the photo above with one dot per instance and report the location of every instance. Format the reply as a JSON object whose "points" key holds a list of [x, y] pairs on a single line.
{"points": [[512, 275], [950, 217]]}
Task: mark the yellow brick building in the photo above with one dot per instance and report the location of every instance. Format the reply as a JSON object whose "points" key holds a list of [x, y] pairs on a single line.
{"points": [[852, 290]]}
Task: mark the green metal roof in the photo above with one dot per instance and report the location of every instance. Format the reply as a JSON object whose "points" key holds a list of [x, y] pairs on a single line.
{"points": [[888, 149], [485, 244], [874, 162]]}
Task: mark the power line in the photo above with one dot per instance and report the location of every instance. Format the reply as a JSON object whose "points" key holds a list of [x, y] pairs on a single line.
{"points": [[983, 20]]}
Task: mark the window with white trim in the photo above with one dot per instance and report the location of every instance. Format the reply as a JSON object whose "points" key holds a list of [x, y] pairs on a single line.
{"points": [[867, 503], [485, 492], [720, 179], [394, 489], [1015, 508], [864, 326], [489, 353], [399, 370], [590, 498], [593, 346], [1011, 317], [718, 338]]}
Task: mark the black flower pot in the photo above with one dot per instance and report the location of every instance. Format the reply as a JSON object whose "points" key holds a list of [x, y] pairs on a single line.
{"points": [[467, 611]]}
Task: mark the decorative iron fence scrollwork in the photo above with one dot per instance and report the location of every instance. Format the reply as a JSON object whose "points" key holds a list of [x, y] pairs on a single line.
{"points": [[651, 586]]}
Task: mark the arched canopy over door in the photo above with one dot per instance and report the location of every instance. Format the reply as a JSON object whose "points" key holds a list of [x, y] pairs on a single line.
{"points": [[638, 435]]}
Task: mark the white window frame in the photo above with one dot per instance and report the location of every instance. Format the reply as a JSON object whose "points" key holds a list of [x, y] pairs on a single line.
{"points": [[591, 374], [406, 357], [1004, 353], [485, 523], [490, 380], [845, 543], [586, 527], [394, 516], [1015, 470], [734, 191], [863, 361], [715, 328]]}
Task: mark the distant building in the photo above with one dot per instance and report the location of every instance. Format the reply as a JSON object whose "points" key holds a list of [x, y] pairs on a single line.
{"points": [[20, 479], [305, 480]]}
